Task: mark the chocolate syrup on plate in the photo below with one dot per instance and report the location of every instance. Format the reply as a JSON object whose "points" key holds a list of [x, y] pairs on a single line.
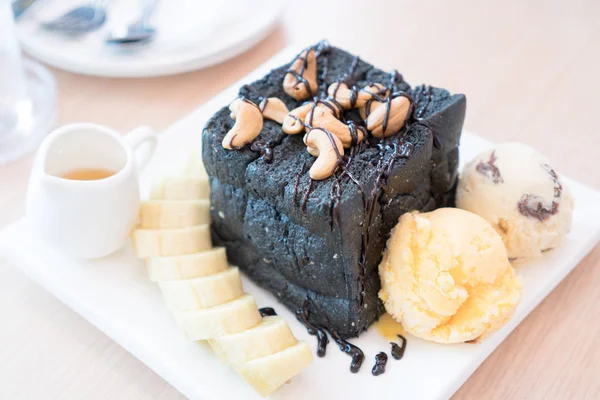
{"points": [[353, 351], [398, 350], [267, 312], [380, 363]]}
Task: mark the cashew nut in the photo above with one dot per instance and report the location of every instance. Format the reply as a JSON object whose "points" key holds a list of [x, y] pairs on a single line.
{"points": [[300, 81], [274, 109], [248, 123], [352, 97], [313, 151], [328, 149], [378, 90], [321, 117], [333, 106], [346, 97], [393, 115], [293, 122]]}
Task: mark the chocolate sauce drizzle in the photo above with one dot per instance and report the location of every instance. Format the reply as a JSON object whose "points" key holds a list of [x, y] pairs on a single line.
{"points": [[263, 103], [490, 169], [424, 93], [320, 333], [387, 101], [533, 206], [332, 104], [265, 148], [383, 170], [398, 350], [379, 96], [324, 75], [380, 363], [267, 312], [354, 132], [423, 97], [353, 351], [306, 195], [356, 353], [302, 314], [395, 78], [341, 163], [335, 196]]}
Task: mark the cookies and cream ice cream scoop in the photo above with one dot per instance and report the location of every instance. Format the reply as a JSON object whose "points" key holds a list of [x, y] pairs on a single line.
{"points": [[445, 276], [515, 189]]}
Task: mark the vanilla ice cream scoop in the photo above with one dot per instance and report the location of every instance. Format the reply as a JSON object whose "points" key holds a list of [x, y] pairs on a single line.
{"points": [[446, 277], [515, 189]]}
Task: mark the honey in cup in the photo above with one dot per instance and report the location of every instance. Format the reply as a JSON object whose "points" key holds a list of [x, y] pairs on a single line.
{"points": [[71, 204], [87, 174]]}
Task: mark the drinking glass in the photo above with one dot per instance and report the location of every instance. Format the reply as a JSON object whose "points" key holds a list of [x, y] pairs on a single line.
{"points": [[27, 95]]}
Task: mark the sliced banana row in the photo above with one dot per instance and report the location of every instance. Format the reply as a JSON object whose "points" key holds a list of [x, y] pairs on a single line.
{"points": [[204, 292]]}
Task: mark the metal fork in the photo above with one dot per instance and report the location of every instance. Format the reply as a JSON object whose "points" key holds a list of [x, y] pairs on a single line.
{"points": [[79, 20]]}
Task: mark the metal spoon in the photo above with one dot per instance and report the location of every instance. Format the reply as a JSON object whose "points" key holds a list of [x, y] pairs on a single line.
{"points": [[79, 20], [138, 31]]}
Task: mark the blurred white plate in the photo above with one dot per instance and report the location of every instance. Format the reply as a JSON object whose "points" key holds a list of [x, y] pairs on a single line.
{"points": [[191, 34], [115, 295]]}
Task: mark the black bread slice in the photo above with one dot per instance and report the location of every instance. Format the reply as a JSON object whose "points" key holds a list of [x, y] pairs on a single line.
{"points": [[288, 242]]}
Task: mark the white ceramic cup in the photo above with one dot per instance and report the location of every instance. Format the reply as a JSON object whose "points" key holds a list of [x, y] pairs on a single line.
{"points": [[88, 218]]}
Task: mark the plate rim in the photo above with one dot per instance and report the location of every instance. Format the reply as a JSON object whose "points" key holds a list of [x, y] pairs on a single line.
{"points": [[39, 51]]}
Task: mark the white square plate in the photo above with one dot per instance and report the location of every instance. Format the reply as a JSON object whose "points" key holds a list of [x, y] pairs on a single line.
{"points": [[115, 295]]}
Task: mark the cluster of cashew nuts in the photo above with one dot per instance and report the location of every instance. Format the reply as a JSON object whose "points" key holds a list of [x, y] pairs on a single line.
{"points": [[326, 135]]}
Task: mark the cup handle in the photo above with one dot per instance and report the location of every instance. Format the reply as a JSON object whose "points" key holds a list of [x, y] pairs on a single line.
{"points": [[142, 141]]}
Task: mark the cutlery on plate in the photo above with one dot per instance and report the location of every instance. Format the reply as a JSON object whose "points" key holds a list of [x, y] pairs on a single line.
{"points": [[79, 20], [138, 31]]}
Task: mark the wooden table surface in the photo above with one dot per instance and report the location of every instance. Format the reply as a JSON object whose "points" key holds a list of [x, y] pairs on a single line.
{"points": [[530, 73]]}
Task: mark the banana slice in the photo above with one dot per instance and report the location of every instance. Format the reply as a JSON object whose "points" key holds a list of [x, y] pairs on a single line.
{"points": [[171, 242], [267, 374], [272, 335], [225, 319], [203, 292], [167, 214], [185, 188], [187, 266]]}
